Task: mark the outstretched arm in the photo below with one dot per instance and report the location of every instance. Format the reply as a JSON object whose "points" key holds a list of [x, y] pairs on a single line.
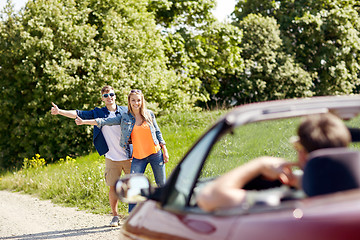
{"points": [[226, 191], [55, 110], [80, 121]]}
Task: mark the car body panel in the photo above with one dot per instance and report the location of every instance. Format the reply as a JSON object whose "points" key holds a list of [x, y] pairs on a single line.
{"points": [[148, 218], [335, 216]]}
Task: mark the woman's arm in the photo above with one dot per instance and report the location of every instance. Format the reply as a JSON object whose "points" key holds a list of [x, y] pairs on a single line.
{"points": [[157, 130], [160, 138], [109, 121], [80, 121]]}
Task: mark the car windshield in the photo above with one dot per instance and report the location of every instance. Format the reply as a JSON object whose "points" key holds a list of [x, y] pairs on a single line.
{"points": [[270, 138], [267, 138], [213, 156]]}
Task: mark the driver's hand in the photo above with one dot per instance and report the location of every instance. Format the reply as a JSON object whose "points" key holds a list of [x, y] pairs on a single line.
{"points": [[279, 169]]}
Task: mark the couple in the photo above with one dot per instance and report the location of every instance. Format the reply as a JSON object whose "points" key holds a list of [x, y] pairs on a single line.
{"points": [[137, 126]]}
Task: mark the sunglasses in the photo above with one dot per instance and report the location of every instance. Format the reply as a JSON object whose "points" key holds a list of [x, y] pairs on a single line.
{"points": [[108, 94], [295, 141], [135, 91]]}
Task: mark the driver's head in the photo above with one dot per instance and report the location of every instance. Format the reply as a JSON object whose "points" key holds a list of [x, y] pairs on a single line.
{"points": [[323, 131]]}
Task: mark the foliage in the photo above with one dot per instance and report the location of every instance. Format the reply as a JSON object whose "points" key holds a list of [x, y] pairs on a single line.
{"points": [[199, 49], [269, 73], [174, 50], [175, 13], [322, 36], [65, 51], [212, 55]]}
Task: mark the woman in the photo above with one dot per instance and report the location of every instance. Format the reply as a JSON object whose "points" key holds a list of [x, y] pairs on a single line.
{"points": [[139, 127]]}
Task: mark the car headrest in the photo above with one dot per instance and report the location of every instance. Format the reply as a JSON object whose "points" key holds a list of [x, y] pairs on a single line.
{"points": [[331, 170]]}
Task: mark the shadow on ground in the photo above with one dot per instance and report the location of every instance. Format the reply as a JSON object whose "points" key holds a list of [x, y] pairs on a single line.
{"points": [[64, 234]]}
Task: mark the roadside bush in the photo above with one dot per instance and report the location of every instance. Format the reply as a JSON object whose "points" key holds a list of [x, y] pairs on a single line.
{"points": [[66, 51]]}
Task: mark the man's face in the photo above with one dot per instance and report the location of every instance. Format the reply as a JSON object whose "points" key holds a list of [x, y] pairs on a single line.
{"points": [[302, 158], [108, 97]]}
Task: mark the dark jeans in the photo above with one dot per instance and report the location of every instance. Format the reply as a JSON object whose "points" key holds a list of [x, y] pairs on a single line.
{"points": [[156, 161]]}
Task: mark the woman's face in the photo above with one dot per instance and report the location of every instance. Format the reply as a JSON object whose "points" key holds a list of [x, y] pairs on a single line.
{"points": [[135, 102]]}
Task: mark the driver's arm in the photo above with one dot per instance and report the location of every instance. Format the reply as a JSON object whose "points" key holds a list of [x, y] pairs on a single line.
{"points": [[226, 191]]}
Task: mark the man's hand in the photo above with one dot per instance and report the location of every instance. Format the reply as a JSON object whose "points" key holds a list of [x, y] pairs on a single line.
{"points": [[55, 109], [277, 168]]}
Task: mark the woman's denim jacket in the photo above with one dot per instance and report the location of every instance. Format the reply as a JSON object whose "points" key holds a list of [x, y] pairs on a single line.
{"points": [[127, 122]]}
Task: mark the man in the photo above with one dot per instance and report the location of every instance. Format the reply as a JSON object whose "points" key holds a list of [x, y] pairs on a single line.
{"points": [[315, 132], [106, 141]]}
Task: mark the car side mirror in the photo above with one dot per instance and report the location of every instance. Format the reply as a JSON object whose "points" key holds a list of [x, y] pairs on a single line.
{"points": [[133, 188]]}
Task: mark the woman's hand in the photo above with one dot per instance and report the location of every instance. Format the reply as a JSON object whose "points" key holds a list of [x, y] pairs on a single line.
{"points": [[165, 154], [79, 121]]}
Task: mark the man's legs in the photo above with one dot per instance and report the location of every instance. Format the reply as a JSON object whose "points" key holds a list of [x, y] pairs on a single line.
{"points": [[113, 200], [113, 171]]}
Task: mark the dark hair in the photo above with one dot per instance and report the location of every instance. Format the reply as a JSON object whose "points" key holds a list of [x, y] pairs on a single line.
{"points": [[106, 89], [323, 131]]}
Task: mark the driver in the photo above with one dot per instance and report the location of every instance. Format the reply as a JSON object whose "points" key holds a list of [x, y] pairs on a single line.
{"points": [[314, 132]]}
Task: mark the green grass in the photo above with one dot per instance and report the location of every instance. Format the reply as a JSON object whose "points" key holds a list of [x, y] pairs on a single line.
{"points": [[72, 182], [79, 182], [251, 141]]}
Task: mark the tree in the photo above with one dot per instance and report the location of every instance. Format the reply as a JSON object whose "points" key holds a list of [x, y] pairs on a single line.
{"points": [[322, 36], [175, 13], [65, 51], [212, 55], [269, 72]]}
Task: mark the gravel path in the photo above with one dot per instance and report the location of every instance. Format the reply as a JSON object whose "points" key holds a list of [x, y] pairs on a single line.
{"points": [[25, 217]]}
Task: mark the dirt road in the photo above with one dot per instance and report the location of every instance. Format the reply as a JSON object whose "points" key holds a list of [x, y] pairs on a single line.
{"points": [[24, 217]]}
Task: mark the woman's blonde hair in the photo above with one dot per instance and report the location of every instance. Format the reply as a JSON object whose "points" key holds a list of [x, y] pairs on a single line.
{"points": [[143, 110]]}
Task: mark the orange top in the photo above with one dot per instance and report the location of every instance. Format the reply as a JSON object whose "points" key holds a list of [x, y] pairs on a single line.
{"points": [[143, 143]]}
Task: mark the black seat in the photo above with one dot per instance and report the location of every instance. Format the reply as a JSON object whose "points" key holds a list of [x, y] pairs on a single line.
{"points": [[331, 170]]}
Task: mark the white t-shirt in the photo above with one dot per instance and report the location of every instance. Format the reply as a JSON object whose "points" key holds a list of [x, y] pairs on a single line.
{"points": [[112, 136]]}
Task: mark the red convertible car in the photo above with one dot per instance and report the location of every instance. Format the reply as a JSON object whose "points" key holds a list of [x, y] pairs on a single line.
{"points": [[327, 208]]}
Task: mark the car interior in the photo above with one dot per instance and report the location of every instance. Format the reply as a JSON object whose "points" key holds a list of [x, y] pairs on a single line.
{"points": [[331, 170], [339, 168]]}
